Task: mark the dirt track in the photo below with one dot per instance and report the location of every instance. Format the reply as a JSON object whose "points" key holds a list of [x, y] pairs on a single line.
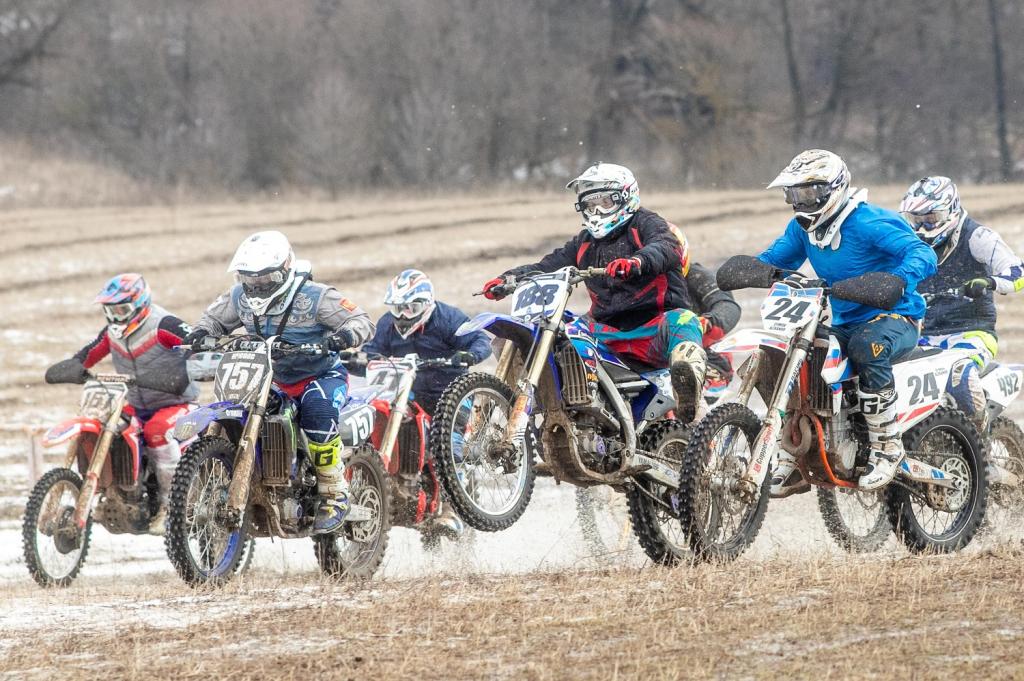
{"points": [[795, 606]]}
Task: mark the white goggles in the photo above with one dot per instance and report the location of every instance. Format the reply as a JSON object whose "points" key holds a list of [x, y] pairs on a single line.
{"points": [[409, 310], [927, 221], [118, 312], [601, 202], [260, 285], [807, 197]]}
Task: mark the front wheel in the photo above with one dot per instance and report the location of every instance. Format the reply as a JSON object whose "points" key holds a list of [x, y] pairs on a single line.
{"points": [[719, 521], [941, 519], [654, 522], [488, 482], [357, 549], [201, 548], [55, 548], [857, 520]]}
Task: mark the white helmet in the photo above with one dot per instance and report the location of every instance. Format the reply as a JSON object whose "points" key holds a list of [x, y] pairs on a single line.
{"points": [[410, 296], [817, 184], [263, 266], [607, 196], [932, 207]]}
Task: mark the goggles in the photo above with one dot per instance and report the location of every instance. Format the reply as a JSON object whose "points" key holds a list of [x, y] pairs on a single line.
{"points": [[807, 197], [927, 221], [600, 202], [409, 310], [260, 285], [118, 313]]}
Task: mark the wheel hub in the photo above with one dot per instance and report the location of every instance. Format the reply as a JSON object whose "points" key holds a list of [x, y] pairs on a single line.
{"points": [[66, 536]]}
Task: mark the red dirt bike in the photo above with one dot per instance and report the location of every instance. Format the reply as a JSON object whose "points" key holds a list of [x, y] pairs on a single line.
{"points": [[114, 486], [399, 433]]}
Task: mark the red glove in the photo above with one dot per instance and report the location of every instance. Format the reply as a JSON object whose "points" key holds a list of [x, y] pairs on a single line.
{"points": [[712, 333], [490, 293], [623, 268]]}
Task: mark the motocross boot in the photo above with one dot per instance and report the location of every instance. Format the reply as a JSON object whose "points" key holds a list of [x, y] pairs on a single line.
{"points": [[786, 477], [331, 485], [165, 461], [448, 523], [687, 367], [879, 410]]}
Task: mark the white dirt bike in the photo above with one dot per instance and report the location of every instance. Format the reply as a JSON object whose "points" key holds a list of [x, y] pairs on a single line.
{"points": [[938, 498]]}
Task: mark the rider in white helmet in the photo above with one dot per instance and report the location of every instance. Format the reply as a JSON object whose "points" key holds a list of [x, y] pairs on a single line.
{"points": [[843, 236], [973, 262], [642, 310], [275, 296]]}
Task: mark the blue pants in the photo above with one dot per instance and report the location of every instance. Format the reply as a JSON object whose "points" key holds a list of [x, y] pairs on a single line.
{"points": [[872, 347], [320, 404]]}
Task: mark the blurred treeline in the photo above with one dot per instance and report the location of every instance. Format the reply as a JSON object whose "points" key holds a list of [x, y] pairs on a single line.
{"points": [[332, 95]]}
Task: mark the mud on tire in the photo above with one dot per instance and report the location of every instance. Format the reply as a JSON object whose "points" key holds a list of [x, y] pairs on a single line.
{"points": [[946, 440], [867, 537], [34, 560], [443, 449], [657, 528]]}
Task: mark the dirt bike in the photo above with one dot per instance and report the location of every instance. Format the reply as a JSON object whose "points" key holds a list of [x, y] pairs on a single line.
{"points": [[937, 500], [602, 421], [115, 485], [400, 432], [249, 474]]}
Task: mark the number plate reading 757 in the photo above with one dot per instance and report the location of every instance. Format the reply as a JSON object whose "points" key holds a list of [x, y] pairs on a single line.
{"points": [[788, 309], [539, 297], [239, 374]]}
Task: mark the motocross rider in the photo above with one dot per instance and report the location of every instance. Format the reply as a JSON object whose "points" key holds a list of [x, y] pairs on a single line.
{"points": [[643, 310], [419, 323], [275, 296], [140, 337], [974, 260], [843, 236]]}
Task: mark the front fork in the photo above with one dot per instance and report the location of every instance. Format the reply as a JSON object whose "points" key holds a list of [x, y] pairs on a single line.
{"points": [[519, 415], [399, 409], [241, 476], [83, 505]]}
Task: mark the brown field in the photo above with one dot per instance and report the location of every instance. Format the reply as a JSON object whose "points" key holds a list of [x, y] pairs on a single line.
{"points": [[529, 603]]}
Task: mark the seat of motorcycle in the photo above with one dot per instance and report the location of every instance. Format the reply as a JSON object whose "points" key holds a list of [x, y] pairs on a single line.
{"points": [[917, 353], [989, 368], [619, 373]]}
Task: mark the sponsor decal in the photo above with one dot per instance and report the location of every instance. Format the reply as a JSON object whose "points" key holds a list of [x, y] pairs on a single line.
{"points": [[877, 349]]}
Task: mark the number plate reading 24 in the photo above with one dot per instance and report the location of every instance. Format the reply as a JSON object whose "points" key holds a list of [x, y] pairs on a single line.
{"points": [[539, 297], [787, 308], [239, 374]]}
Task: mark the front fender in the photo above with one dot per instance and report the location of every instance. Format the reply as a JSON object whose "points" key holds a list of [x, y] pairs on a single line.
{"points": [[503, 326], [71, 428], [197, 421]]}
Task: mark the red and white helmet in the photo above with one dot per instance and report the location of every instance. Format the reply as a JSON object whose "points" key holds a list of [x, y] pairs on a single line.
{"points": [[410, 296], [817, 184], [263, 266], [932, 207], [126, 302], [607, 196]]}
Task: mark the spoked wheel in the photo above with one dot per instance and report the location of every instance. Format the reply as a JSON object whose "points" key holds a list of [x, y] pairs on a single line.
{"points": [[55, 548], [488, 483], [603, 518], [201, 548], [655, 523], [718, 519], [934, 518], [858, 521], [1006, 452], [357, 549]]}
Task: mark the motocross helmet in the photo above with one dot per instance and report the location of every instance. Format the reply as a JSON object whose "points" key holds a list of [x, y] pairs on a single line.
{"points": [[817, 184], [607, 196], [263, 267], [932, 207], [410, 296], [126, 302]]}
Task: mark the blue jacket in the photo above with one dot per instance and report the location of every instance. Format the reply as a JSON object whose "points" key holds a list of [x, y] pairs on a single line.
{"points": [[435, 340], [873, 239]]}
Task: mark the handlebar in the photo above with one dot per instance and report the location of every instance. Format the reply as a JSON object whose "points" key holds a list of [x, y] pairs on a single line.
{"points": [[252, 343], [360, 359], [511, 282]]}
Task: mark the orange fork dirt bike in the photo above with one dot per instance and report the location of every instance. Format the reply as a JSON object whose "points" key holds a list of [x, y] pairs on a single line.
{"points": [[114, 484]]}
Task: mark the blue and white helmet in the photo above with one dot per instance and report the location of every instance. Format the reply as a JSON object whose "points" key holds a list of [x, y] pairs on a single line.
{"points": [[932, 207], [410, 296], [607, 196]]}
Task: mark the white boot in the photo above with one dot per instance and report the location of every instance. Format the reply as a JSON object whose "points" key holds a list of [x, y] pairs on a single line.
{"points": [[687, 366], [165, 461], [786, 477], [879, 410]]}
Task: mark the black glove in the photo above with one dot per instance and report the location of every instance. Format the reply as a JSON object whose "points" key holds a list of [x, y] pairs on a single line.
{"points": [[343, 339], [463, 358], [67, 371], [976, 288], [195, 338]]}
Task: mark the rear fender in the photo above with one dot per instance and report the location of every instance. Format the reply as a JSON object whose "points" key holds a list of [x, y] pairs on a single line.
{"points": [[69, 429], [747, 340], [1003, 384], [195, 422], [355, 423]]}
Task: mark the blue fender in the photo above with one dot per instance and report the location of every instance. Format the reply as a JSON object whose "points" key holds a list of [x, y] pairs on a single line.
{"points": [[503, 326], [197, 421]]}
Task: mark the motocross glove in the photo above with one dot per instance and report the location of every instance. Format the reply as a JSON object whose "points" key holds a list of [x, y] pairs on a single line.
{"points": [[976, 288], [195, 339], [711, 334], [623, 268], [463, 358], [495, 289], [67, 371], [343, 339]]}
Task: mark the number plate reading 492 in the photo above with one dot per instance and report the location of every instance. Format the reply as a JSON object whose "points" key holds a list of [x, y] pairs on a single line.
{"points": [[787, 308], [540, 296]]}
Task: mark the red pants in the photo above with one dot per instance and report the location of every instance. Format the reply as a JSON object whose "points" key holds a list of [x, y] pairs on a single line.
{"points": [[157, 425]]}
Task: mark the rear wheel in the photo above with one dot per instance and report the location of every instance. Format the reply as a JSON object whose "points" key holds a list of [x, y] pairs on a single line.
{"points": [[1006, 452], [489, 484], [55, 548], [201, 548], [719, 521], [654, 522], [928, 517], [357, 549], [858, 521]]}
